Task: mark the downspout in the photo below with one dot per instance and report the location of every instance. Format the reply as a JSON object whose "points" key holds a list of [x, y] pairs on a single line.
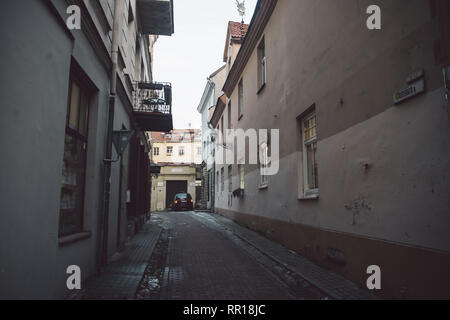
{"points": [[118, 4]]}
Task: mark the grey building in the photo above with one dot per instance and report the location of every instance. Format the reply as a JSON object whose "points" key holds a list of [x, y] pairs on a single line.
{"points": [[364, 149], [56, 125]]}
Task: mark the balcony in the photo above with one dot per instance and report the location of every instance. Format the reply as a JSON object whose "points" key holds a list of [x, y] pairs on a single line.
{"points": [[156, 16], [152, 106]]}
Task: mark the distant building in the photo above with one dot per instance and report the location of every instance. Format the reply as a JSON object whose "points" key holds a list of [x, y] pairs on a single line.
{"points": [[177, 146], [212, 92], [179, 155]]}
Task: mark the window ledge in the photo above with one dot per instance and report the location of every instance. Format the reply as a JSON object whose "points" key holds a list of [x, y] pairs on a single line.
{"points": [[261, 88], [66, 240], [309, 197], [263, 187]]}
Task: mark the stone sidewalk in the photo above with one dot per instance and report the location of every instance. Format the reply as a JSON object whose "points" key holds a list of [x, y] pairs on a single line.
{"points": [[334, 285], [122, 276]]}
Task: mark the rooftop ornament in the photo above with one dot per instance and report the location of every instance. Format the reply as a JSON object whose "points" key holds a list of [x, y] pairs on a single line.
{"points": [[241, 9]]}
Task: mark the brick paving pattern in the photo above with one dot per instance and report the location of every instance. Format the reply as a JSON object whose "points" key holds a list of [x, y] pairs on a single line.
{"points": [[336, 286], [209, 257], [204, 264], [121, 278]]}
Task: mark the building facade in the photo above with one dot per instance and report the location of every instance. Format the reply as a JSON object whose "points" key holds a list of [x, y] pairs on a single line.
{"points": [[212, 92], [364, 154], [179, 155], [61, 109], [174, 178]]}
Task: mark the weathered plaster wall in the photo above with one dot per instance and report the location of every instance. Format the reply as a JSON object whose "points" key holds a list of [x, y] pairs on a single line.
{"points": [[321, 53], [32, 264]]}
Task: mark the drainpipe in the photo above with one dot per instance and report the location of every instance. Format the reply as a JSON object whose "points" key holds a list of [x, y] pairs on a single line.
{"points": [[110, 127]]}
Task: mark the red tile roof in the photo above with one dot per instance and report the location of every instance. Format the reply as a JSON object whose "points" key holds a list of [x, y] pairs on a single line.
{"points": [[237, 30], [176, 135]]}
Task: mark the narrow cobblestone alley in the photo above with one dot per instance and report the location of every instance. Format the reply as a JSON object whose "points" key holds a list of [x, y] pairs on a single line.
{"points": [[204, 263], [201, 256]]}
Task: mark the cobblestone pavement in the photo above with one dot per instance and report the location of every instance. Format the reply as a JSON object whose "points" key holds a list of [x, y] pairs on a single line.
{"points": [[202, 256], [292, 267], [206, 261]]}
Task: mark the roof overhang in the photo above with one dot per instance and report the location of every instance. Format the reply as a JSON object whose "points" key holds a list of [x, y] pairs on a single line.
{"points": [[221, 103]]}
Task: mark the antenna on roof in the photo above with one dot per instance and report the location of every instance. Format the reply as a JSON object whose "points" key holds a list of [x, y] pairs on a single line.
{"points": [[241, 8]]}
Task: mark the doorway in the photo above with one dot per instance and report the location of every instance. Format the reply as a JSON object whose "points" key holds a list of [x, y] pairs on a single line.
{"points": [[172, 188]]}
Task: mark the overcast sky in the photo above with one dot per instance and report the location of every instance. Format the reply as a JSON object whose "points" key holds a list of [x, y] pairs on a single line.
{"points": [[195, 51]]}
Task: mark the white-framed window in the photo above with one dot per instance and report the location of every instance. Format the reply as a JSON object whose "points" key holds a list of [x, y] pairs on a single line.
{"points": [[156, 151], [263, 164], [309, 159], [181, 150], [217, 180], [169, 151], [241, 176], [241, 99], [222, 179], [199, 151], [262, 63], [229, 115], [230, 178]]}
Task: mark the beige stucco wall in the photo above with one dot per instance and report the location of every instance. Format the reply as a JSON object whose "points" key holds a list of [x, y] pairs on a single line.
{"points": [[171, 173], [191, 154], [320, 52], [233, 50]]}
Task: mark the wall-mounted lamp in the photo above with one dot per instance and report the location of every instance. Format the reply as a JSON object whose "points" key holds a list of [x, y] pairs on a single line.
{"points": [[121, 140]]}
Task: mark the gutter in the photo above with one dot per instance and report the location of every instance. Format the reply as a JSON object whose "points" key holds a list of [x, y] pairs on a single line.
{"points": [[103, 254]]}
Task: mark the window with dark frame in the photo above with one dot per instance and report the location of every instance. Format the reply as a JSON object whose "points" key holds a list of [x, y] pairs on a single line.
{"points": [[156, 151], [74, 161], [262, 62]]}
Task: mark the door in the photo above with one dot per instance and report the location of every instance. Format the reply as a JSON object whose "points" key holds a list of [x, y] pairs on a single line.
{"points": [[172, 188]]}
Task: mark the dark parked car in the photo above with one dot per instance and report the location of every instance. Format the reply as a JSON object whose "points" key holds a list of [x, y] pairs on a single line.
{"points": [[183, 201]]}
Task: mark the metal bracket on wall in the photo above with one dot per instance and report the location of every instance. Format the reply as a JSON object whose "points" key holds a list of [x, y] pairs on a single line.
{"points": [[121, 139]]}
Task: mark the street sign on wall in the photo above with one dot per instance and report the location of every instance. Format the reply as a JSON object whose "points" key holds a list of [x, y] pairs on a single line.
{"points": [[415, 85]]}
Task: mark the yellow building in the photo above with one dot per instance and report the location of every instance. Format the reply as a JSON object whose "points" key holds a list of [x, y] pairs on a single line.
{"points": [[179, 154], [173, 179]]}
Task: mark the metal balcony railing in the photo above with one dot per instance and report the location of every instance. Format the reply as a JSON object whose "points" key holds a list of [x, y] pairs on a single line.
{"points": [[153, 97], [152, 105]]}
